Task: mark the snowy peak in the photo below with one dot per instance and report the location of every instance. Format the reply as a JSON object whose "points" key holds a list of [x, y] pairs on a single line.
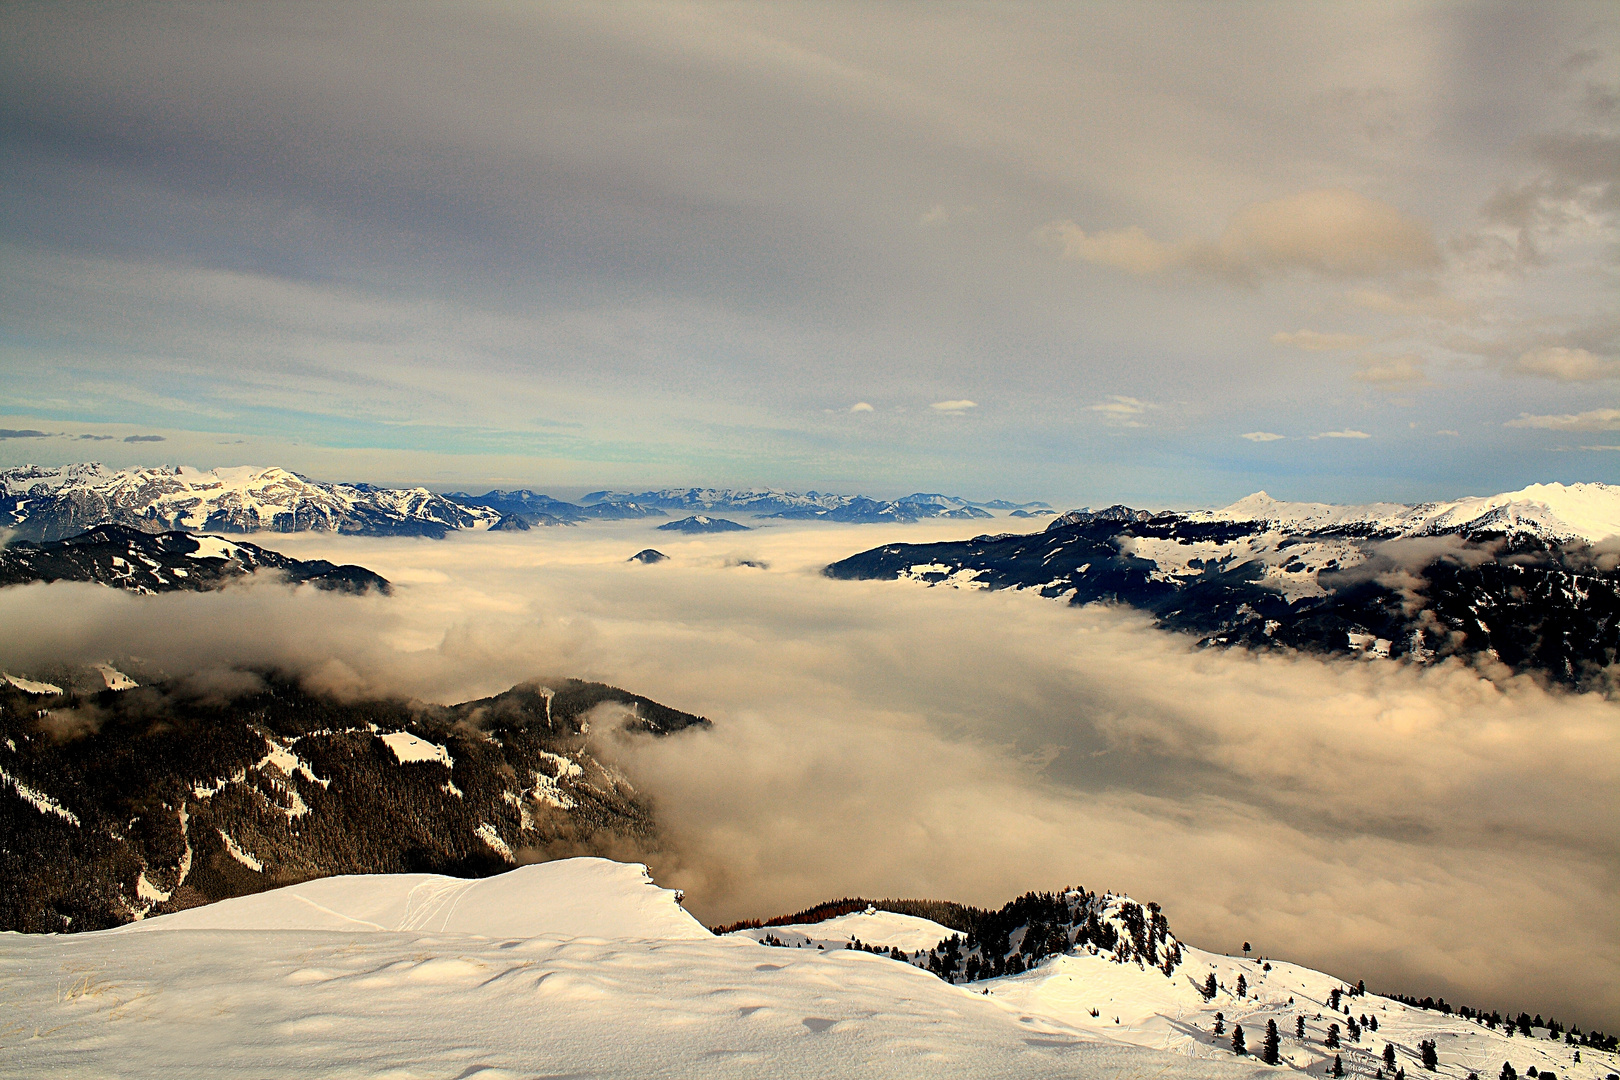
{"points": [[54, 503], [1586, 511]]}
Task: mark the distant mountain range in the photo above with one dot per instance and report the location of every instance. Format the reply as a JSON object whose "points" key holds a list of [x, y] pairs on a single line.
{"points": [[128, 800], [811, 505], [1528, 579], [124, 558], [53, 503], [759, 502]]}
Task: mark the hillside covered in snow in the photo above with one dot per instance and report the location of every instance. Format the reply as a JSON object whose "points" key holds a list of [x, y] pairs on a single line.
{"points": [[1528, 579], [524, 973]]}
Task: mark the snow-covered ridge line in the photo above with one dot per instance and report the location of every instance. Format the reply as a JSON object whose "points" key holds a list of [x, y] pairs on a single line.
{"points": [[53, 503], [1585, 511]]}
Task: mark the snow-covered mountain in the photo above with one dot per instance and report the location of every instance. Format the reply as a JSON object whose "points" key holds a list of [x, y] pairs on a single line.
{"points": [[120, 557], [702, 523], [1589, 512], [54, 503], [1525, 579], [120, 800], [585, 967]]}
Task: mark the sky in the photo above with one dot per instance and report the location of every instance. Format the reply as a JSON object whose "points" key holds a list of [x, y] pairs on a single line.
{"points": [[1429, 830], [1161, 253]]}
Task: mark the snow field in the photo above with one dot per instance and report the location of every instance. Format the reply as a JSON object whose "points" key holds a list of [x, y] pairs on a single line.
{"points": [[585, 968]]}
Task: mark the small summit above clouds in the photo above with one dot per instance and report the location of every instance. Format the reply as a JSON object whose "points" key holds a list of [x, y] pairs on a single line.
{"points": [[702, 523], [648, 556]]}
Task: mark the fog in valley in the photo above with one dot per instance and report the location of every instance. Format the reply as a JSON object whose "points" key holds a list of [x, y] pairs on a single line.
{"points": [[1429, 830]]}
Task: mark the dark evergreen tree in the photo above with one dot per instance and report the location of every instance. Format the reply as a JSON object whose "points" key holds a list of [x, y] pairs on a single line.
{"points": [[1220, 1023], [1431, 1058], [1239, 1047], [1389, 1055], [1299, 1026], [1332, 1042], [1270, 1051], [1508, 1072], [1338, 1065], [1333, 999], [1209, 987], [1242, 985]]}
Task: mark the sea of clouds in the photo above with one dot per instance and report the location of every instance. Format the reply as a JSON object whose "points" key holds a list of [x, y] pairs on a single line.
{"points": [[1429, 830]]}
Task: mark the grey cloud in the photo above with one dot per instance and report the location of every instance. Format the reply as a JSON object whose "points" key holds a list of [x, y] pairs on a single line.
{"points": [[144, 438], [1335, 233], [22, 433]]}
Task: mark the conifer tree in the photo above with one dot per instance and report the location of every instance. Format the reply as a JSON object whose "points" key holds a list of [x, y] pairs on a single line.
{"points": [[1299, 1026], [1270, 1051], [1220, 1023], [1242, 985], [1209, 987], [1431, 1059], [1389, 1055], [1239, 1047], [1508, 1072], [1338, 1065], [1332, 1037]]}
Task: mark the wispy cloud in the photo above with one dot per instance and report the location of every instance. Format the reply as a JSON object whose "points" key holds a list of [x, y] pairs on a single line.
{"points": [[22, 433], [1591, 420], [1347, 433], [956, 406], [1567, 365], [1312, 341], [1262, 436], [1331, 233], [1391, 371], [1123, 411], [861, 406]]}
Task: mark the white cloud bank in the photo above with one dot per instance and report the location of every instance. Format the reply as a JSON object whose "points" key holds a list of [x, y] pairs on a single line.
{"points": [[1397, 824]]}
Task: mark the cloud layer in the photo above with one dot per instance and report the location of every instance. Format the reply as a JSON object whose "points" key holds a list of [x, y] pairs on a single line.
{"points": [[1383, 822]]}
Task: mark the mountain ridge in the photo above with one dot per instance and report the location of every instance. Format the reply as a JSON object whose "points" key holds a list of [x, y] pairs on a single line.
{"points": [[1497, 581]]}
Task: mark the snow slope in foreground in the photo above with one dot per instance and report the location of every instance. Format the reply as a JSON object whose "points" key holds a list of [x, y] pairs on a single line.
{"points": [[584, 968]]}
